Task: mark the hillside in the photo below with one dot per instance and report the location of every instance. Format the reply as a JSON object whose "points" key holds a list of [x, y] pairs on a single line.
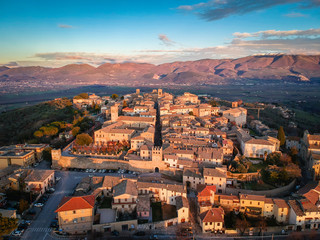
{"points": [[294, 68]]}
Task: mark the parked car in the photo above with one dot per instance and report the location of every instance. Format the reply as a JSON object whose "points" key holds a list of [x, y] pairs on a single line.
{"points": [[115, 233], [22, 227], [140, 233], [16, 233], [54, 224], [38, 205], [154, 237], [31, 212], [51, 190], [58, 179], [250, 233]]}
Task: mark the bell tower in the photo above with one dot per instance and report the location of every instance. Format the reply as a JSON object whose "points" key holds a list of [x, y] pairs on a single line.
{"points": [[114, 112]]}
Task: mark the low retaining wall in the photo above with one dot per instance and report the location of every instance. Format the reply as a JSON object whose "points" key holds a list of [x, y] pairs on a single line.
{"points": [[244, 176], [157, 225], [277, 192]]}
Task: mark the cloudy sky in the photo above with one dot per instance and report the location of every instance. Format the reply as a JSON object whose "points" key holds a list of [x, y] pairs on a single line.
{"points": [[55, 33]]}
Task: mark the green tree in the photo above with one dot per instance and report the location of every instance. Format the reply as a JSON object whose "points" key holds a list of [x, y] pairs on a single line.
{"points": [[214, 103], [190, 113], [46, 154], [114, 96], [23, 205], [273, 158], [294, 155], [50, 130], [281, 136], [84, 139], [82, 96], [38, 134], [7, 225], [75, 131], [242, 225], [106, 102]]}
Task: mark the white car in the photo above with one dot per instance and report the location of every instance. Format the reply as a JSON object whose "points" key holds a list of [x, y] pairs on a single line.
{"points": [[16, 233], [58, 179], [38, 205], [51, 189]]}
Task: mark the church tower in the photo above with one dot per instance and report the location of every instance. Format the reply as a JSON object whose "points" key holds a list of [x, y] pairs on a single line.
{"points": [[114, 112]]}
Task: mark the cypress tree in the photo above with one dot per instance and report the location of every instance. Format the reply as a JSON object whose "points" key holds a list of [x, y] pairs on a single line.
{"points": [[281, 136]]}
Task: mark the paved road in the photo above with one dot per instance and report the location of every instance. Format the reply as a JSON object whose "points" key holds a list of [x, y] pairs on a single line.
{"points": [[40, 228]]}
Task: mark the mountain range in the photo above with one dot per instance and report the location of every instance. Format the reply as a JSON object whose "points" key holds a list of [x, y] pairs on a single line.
{"points": [[295, 68]]}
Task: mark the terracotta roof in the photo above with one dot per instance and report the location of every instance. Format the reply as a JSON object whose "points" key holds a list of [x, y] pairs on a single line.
{"points": [[213, 215], [268, 201], [135, 119], [308, 206], [192, 173], [214, 172], [127, 109], [259, 142], [38, 175], [70, 203], [315, 137], [125, 187], [296, 207], [110, 181], [281, 203], [205, 190], [229, 197], [172, 187], [122, 131], [252, 197]]}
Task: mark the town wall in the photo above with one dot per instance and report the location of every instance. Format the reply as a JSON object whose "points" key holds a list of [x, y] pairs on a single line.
{"points": [[61, 162]]}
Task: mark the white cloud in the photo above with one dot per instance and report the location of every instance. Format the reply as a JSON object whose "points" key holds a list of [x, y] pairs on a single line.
{"points": [[295, 15], [218, 9], [280, 34], [165, 40], [64, 26]]}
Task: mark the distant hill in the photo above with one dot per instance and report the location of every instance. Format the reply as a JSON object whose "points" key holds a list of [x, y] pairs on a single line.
{"points": [[295, 68]]}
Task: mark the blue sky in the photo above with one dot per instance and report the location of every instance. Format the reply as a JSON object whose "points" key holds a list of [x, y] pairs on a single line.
{"points": [[55, 33]]}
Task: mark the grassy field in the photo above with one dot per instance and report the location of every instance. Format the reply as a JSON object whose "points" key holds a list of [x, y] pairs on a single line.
{"points": [[257, 186], [256, 167]]}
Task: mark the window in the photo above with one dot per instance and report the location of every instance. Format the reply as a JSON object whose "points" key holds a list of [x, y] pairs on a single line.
{"points": [[218, 224], [258, 203], [74, 212]]}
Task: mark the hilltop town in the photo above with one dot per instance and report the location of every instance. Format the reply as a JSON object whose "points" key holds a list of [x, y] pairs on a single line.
{"points": [[157, 164]]}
